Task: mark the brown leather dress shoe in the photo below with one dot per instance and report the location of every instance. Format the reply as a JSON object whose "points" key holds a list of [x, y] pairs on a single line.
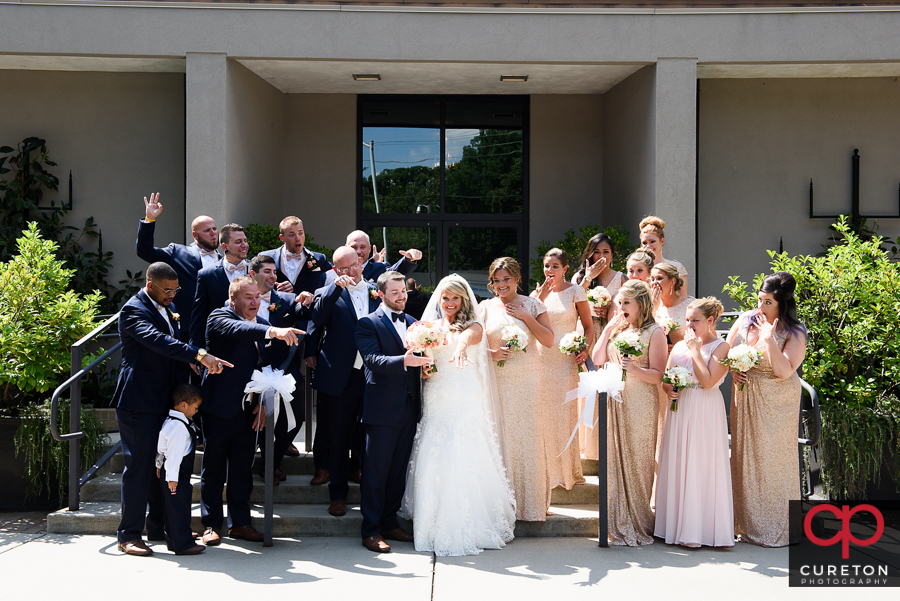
{"points": [[136, 547], [398, 534], [211, 537], [337, 508], [247, 533], [281, 475], [321, 477], [292, 451], [275, 479], [376, 544], [195, 550], [355, 476]]}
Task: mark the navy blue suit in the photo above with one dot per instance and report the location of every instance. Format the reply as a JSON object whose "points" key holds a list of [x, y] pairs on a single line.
{"points": [[340, 386], [229, 439], [185, 260], [210, 294], [373, 269], [308, 278], [391, 409], [153, 361], [287, 314]]}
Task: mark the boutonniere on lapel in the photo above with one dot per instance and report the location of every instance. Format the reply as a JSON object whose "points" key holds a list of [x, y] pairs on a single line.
{"points": [[175, 316], [274, 306], [373, 293], [311, 264]]}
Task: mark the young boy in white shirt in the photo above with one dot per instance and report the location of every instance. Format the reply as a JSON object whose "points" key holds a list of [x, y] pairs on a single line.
{"points": [[174, 464]]}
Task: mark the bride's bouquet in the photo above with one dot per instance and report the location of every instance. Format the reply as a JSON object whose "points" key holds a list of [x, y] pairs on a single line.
{"points": [[679, 377], [515, 338], [422, 336], [629, 344], [599, 297], [572, 344], [741, 358]]}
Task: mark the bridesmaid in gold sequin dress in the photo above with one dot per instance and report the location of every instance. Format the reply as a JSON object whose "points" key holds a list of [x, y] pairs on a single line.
{"points": [[764, 415], [518, 381], [596, 270], [631, 424], [567, 306]]}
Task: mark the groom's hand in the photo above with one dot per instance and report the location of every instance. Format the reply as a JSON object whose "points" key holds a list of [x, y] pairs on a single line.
{"points": [[411, 360]]}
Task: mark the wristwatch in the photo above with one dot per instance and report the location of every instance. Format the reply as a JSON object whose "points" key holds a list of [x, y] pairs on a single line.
{"points": [[200, 354]]}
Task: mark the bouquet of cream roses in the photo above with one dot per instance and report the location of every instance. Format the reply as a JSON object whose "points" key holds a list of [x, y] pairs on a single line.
{"points": [[741, 358], [629, 344], [572, 344], [515, 338], [679, 377], [668, 325], [599, 297]]}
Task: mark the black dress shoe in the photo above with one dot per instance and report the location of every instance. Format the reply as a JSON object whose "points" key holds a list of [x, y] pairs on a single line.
{"points": [[195, 550], [292, 451]]}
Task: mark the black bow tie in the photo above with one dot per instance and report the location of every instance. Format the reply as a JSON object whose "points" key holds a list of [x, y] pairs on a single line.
{"points": [[401, 317]]}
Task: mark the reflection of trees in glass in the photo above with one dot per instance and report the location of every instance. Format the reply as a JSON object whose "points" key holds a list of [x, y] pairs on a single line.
{"points": [[487, 179], [473, 249], [405, 238]]}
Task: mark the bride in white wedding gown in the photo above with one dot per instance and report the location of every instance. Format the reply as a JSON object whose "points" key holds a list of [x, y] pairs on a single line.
{"points": [[458, 493]]}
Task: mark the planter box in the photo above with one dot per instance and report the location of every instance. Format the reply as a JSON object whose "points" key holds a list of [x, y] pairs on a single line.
{"points": [[12, 470]]}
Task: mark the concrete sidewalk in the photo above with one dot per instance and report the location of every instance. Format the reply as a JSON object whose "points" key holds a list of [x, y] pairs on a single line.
{"points": [[45, 566]]}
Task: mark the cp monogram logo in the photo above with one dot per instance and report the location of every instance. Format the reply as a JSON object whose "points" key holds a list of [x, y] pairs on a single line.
{"points": [[844, 536]]}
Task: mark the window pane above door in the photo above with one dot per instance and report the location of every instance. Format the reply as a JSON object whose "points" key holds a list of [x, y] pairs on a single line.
{"points": [[484, 171], [407, 170]]}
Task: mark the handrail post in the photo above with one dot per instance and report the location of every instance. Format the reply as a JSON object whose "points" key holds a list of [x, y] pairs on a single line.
{"points": [[75, 426]]}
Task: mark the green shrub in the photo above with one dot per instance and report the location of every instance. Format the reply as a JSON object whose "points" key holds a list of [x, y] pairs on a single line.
{"points": [[574, 245], [849, 299], [265, 237]]}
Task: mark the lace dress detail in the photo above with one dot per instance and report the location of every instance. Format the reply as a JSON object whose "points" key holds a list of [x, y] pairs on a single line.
{"points": [[518, 382], [560, 376], [630, 449], [457, 493], [764, 449]]}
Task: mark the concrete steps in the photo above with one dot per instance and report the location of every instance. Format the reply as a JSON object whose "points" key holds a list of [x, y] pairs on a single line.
{"points": [[302, 509]]}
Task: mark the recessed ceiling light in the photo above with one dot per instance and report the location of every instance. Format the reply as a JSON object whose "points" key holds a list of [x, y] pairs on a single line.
{"points": [[513, 78], [367, 76]]}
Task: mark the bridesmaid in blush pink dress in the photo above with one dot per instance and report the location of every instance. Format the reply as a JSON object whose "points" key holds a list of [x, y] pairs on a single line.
{"points": [[693, 497]]}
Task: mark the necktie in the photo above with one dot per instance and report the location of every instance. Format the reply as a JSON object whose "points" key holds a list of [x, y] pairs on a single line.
{"points": [[401, 317], [238, 267], [267, 297]]}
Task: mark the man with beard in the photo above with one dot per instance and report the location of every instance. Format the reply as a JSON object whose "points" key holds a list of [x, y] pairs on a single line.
{"points": [[187, 261], [299, 269]]}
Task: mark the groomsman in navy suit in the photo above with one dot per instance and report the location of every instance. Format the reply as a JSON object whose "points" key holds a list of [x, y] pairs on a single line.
{"points": [[213, 282], [299, 269], [187, 261], [152, 358], [391, 409], [373, 266], [338, 375], [229, 428], [283, 310]]}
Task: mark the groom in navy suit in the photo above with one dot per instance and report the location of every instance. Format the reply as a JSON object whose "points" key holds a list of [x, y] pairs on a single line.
{"points": [[391, 409], [187, 261], [152, 364], [338, 375]]}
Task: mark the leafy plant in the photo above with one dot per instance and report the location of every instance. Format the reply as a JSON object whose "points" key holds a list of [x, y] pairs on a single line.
{"points": [[574, 244], [47, 461], [265, 237], [849, 299]]}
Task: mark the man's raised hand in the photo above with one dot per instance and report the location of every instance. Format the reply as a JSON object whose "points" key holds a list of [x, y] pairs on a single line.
{"points": [[378, 257], [289, 335], [413, 254], [153, 207]]}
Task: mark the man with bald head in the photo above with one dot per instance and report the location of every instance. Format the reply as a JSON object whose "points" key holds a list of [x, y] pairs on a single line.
{"points": [[187, 261], [374, 266]]}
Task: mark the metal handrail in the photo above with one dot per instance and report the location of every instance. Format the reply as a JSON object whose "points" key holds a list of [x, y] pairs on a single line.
{"points": [[74, 436]]}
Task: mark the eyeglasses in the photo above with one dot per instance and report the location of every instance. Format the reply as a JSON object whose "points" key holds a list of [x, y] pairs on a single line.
{"points": [[351, 269], [167, 290]]}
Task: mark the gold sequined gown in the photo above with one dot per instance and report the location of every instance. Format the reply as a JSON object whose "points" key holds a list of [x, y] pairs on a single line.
{"points": [[764, 470], [518, 382], [630, 454], [591, 448], [560, 375]]}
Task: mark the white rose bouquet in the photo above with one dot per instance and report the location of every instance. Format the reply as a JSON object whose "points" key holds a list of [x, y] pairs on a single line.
{"points": [[668, 325], [422, 336], [679, 377], [629, 344], [599, 297], [515, 338], [572, 344], [741, 358]]}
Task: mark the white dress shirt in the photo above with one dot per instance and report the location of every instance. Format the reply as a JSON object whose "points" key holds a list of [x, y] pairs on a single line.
{"points": [[174, 443], [240, 271], [162, 311], [291, 267], [207, 257], [358, 294], [264, 302], [400, 326]]}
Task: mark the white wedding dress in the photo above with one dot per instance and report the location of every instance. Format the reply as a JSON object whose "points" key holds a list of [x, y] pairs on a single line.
{"points": [[458, 494]]}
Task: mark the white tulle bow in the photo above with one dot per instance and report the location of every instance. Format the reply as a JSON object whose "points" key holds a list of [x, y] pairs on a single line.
{"points": [[274, 388], [607, 379]]}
